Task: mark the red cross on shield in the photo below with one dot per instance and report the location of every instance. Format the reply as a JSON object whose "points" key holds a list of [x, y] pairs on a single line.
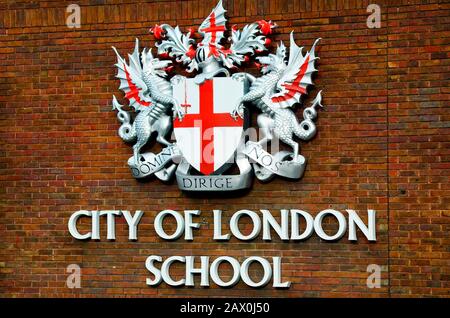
{"points": [[208, 136]]}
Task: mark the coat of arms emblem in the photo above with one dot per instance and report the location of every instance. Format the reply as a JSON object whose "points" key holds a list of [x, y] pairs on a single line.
{"points": [[208, 113]]}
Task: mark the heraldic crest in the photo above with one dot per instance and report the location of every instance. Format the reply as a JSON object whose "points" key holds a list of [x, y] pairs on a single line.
{"points": [[207, 113]]}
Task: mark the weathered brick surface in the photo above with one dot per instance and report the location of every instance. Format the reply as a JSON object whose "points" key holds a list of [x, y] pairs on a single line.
{"points": [[383, 144], [418, 124]]}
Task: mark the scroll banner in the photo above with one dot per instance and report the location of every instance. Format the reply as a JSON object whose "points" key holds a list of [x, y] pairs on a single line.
{"points": [[188, 182], [156, 163], [274, 164]]}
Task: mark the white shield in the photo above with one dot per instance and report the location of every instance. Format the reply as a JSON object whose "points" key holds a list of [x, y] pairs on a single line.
{"points": [[208, 136]]}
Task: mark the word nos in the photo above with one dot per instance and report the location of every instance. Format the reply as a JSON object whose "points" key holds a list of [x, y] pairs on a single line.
{"points": [[287, 229]]}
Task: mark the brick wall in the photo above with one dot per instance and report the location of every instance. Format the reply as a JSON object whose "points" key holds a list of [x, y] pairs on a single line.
{"points": [[383, 144]]}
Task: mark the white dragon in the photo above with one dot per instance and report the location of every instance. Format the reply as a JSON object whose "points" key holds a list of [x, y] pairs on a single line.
{"points": [[150, 94], [281, 87]]}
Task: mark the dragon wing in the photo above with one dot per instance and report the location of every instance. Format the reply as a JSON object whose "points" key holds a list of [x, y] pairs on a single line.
{"points": [[297, 76], [131, 79], [213, 27]]}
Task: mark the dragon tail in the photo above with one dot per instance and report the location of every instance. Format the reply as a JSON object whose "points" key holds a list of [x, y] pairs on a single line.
{"points": [[127, 131], [305, 130]]}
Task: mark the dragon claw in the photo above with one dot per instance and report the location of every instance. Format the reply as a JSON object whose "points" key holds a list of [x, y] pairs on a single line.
{"points": [[238, 111], [178, 113]]}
